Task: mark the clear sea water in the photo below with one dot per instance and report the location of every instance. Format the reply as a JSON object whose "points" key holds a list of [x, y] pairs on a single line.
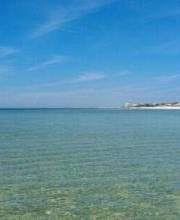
{"points": [[88, 164]]}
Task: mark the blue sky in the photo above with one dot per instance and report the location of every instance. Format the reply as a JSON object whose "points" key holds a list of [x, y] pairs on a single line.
{"points": [[86, 53]]}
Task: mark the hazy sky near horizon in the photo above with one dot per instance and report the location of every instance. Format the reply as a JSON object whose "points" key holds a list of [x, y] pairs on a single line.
{"points": [[87, 53]]}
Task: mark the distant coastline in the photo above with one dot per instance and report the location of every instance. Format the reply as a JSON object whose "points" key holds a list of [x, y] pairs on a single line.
{"points": [[163, 106]]}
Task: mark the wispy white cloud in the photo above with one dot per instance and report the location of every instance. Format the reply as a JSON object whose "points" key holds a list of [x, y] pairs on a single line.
{"points": [[82, 78], [54, 60], [89, 76], [124, 73], [71, 12], [169, 78], [7, 51]]}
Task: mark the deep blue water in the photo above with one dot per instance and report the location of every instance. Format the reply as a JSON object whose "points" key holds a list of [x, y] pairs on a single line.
{"points": [[89, 164]]}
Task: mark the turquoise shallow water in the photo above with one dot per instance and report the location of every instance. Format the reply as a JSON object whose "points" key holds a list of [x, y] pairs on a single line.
{"points": [[89, 164]]}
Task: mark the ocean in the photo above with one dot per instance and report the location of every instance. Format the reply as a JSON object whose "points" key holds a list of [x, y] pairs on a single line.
{"points": [[88, 164]]}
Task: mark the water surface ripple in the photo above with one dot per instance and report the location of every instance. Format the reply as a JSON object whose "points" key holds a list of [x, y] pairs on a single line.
{"points": [[88, 164]]}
